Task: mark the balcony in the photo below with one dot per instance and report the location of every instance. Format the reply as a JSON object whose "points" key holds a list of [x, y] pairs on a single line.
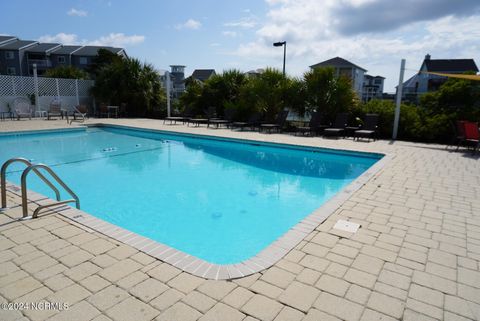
{"points": [[41, 63]]}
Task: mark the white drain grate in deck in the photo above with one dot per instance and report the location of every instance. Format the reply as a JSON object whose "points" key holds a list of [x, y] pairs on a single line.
{"points": [[346, 226]]}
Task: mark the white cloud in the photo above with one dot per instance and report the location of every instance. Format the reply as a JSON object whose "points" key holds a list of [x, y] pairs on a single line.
{"points": [[189, 24], [63, 38], [246, 22], [311, 30], [113, 39], [77, 12], [118, 40], [228, 33]]}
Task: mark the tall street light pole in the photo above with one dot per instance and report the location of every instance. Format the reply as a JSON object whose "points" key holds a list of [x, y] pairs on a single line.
{"points": [[284, 44]]}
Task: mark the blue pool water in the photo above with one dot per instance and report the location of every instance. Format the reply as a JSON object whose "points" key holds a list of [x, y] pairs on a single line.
{"points": [[218, 200]]}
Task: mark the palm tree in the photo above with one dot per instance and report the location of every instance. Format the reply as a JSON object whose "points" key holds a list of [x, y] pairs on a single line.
{"points": [[132, 82], [224, 89], [327, 93], [268, 90]]}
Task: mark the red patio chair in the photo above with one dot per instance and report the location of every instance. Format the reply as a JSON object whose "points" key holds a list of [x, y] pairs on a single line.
{"points": [[472, 134]]}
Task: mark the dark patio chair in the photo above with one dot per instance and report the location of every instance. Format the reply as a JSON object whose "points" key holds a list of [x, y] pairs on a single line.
{"points": [[252, 122], [122, 110], [369, 128], [460, 132], [103, 110], [209, 115], [184, 117], [229, 114], [459, 137], [315, 125], [278, 125], [338, 126]]}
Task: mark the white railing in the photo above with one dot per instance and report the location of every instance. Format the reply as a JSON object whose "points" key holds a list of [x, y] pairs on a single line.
{"points": [[70, 92], [41, 63]]}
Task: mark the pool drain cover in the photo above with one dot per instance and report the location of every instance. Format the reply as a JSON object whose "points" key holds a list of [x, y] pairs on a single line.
{"points": [[346, 226], [217, 215]]}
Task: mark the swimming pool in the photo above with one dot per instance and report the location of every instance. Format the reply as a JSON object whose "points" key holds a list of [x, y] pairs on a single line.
{"points": [[218, 200]]}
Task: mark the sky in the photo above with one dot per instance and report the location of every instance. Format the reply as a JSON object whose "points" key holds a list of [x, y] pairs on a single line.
{"points": [[232, 34]]}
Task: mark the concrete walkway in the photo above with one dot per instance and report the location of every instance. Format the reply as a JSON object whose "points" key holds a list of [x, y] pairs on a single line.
{"points": [[415, 257]]}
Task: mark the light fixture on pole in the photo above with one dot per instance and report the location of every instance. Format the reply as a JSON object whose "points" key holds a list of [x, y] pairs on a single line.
{"points": [[284, 44]]}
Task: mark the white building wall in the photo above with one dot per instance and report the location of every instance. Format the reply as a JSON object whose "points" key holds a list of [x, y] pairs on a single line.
{"points": [[359, 79]]}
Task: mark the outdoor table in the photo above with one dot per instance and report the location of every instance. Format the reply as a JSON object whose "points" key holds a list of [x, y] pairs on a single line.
{"points": [[41, 113]]}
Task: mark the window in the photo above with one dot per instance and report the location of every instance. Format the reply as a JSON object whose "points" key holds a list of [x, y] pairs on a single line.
{"points": [[378, 81], [9, 55], [11, 71], [83, 60], [61, 59]]}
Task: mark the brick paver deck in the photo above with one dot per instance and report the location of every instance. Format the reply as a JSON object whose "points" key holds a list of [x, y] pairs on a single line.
{"points": [[415, 257]]}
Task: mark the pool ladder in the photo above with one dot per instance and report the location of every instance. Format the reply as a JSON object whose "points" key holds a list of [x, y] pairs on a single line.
{"points": [[35, 168]]}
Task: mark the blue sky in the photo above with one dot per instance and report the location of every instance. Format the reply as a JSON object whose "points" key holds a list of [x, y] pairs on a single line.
{"points": [[374, 34]]}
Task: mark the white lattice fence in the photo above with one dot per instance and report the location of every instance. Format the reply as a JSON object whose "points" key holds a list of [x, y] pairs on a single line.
{"points": [[71, 92]]}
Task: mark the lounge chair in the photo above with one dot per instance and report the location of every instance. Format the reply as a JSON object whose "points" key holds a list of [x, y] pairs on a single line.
{"points": [[55, 109], [184, 117], [252, 122], [22, 108], [209, 115], [369, 128], [279, 122], [315, 124], [472, 134], [80, 113], [338, 127], [228, 118]]}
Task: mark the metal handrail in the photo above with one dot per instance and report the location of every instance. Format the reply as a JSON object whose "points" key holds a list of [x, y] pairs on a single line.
{"points": [[59, 181], [3, 179], [41, 207]]}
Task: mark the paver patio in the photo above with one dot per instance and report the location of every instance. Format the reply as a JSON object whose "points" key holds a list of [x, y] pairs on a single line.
{"points": [[415, 257]]}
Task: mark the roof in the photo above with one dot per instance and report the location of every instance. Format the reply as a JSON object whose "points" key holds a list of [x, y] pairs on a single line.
{"points": [[5, 39], [44, 47], [450, 65], [203, 74], [370, 76], [93, 50], [65, 50], [337, 62], [19, 44], [411, 82]]}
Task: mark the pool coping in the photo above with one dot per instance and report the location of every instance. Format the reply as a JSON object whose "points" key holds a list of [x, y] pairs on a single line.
{"points": [[199, 267], [42, 131]]}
